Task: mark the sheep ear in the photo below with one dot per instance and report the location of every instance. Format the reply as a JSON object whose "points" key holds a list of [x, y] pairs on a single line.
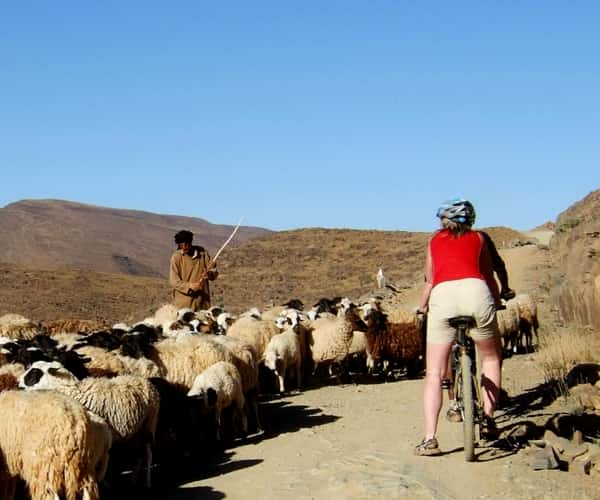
{"points": [[59, 374], [211, 396]]}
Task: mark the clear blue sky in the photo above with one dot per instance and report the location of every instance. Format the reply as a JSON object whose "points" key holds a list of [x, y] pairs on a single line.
{"points": [[348, 114]]}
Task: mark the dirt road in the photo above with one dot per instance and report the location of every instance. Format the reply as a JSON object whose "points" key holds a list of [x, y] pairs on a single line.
{"points": [[356, 441]]}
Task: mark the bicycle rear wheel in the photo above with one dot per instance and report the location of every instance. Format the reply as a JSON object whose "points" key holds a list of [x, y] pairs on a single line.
{"points": [[466, 394]]}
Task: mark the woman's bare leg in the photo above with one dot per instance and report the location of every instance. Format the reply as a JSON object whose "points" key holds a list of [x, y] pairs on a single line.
{"points": [[436, 367], [490, 353]]}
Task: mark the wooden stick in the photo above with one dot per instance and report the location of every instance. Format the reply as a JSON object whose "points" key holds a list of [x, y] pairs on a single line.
{"points": [[214, 259]]}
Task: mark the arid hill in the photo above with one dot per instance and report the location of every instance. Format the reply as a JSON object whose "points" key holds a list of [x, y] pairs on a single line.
{"points": [[50, 234], [576, 248], [307, 264]]}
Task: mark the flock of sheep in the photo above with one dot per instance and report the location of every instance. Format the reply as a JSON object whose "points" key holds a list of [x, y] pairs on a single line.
{"points": [[87, 409], [518, 324]]}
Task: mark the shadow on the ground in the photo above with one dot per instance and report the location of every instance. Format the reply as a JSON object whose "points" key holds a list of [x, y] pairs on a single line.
{"points": [[565, 425], [281, 416], [213, 462], [354, 378], [531, 400], [495, 451], [193, 493], [488, 451]]}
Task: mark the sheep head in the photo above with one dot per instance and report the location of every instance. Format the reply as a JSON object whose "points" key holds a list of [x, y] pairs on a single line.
{"points": [[224, 321], [207, 395], [46, 375]]}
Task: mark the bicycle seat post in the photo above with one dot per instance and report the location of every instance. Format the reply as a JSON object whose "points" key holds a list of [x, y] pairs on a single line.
{"points": [[461, 324]]}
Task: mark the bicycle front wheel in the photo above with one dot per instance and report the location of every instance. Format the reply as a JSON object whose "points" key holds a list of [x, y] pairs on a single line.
{"points": [[466, 388]]}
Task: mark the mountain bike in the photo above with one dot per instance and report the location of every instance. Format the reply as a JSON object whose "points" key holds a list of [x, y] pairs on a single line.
{"points": [[466, 386]]}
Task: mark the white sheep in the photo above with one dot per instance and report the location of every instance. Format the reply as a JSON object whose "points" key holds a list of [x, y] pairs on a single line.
{"points": [[255, 332], [164, 317], [180, 360], [49, 441], [220, 385], [253, 312], [283, 353], [102, 440], [224, 321], [243, 356], [508, 326], [129, 404], [330, 339], [17, 326]]}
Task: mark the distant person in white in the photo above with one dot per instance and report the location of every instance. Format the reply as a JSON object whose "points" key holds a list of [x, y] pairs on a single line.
{"points": [[380, 279]]}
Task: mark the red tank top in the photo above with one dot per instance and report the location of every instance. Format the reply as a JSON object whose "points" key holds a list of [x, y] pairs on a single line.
{"points": [[455, 257]]}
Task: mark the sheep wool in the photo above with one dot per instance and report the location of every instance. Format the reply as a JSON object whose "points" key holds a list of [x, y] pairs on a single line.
{"points": [[508, 326], [73, 326], [283, 353], [47, 440], [102, 360], [394, 342], [253, 331], [224, 379], [181, 360], [528, 319], [331, 338], [16, 326]]}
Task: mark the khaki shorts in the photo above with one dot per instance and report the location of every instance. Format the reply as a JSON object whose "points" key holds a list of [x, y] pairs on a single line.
{"points": [[468, 297]]}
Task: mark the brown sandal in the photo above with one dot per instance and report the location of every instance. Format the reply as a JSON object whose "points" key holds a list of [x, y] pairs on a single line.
{"points": [[428, 448]]}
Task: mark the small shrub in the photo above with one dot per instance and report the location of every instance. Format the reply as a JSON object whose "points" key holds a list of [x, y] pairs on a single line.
{"points": [[561, 351], [568, 224]]}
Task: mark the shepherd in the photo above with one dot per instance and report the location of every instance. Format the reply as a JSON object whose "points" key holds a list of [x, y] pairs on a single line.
{"points": [[191, 269]]}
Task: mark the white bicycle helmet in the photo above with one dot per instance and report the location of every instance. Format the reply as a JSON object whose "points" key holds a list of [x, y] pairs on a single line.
{"points": [[458, 210]]}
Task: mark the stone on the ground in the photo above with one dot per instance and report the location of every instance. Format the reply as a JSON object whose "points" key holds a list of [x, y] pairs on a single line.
{"points": [[580, 465], [588, 396]]}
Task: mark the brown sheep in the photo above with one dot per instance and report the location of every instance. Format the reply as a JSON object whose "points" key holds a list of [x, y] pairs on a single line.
{"points": [[528, 320], [73, 326], [401, 342]]}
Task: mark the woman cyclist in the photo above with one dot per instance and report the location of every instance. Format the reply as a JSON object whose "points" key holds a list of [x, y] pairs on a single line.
{"points": [[459, 281]]}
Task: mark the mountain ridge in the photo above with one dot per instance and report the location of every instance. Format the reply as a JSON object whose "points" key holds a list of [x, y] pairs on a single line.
{"points": [[66, 234]]}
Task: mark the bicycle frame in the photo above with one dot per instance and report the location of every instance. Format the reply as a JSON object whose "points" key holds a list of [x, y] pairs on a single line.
{"points": [[464, 358]]}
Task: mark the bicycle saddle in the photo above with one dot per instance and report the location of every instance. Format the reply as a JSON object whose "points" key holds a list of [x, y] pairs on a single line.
{"points": [[466, 321]]}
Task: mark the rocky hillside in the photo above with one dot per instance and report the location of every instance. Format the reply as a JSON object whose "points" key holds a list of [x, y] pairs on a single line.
{"points": [[307, 264], [576, 249]]}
